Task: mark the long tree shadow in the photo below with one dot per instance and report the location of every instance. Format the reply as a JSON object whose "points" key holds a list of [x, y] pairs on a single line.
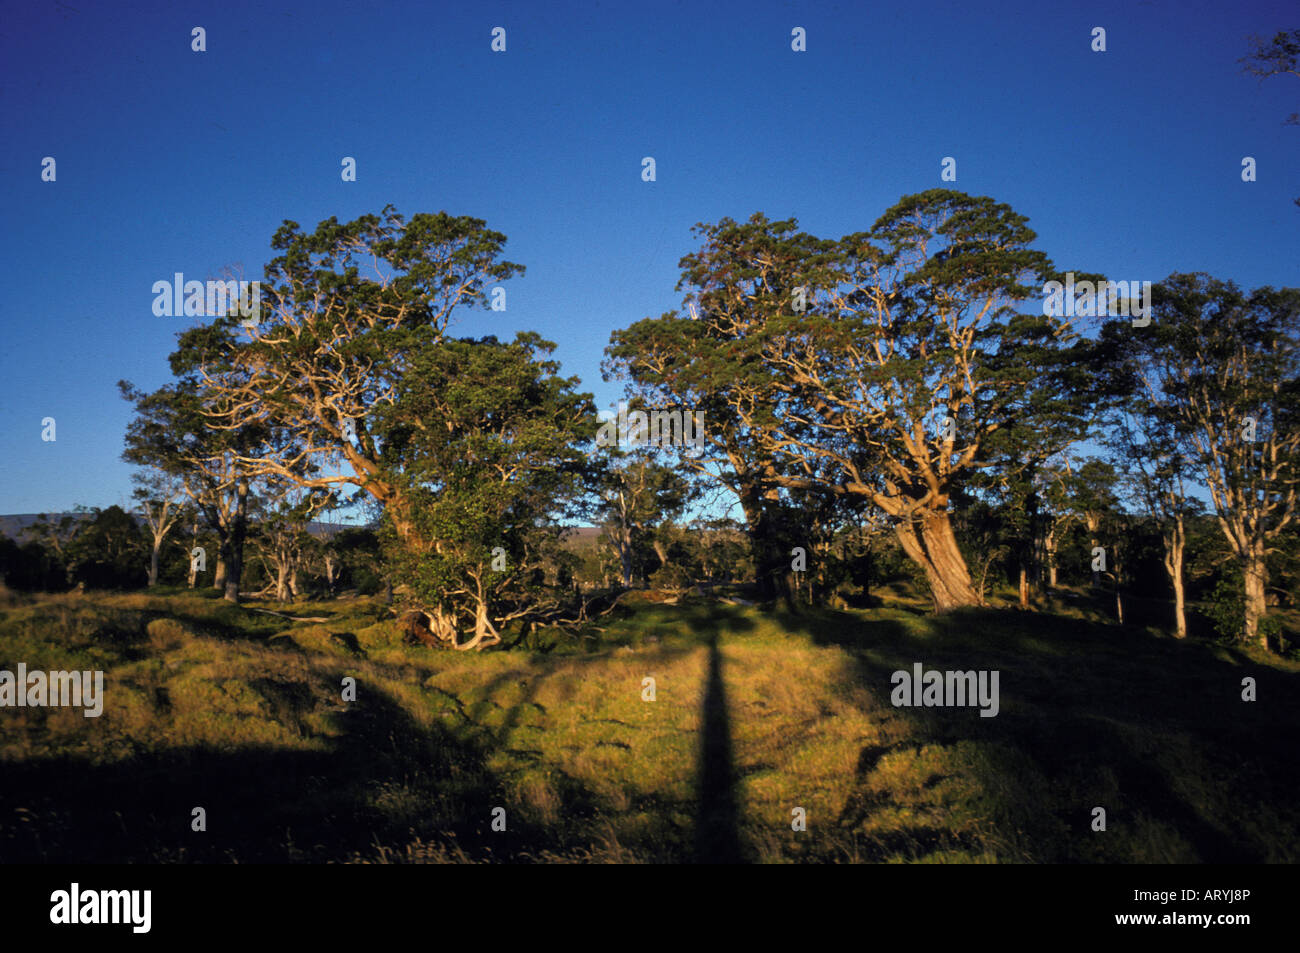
{"points": [[383, 782], [717, 834]]}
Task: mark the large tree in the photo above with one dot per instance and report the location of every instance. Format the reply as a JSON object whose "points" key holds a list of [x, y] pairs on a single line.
{"points": [[1220, 369], [879, 367], [489, 449], [346, 311], [708, 358], [912, 364]]}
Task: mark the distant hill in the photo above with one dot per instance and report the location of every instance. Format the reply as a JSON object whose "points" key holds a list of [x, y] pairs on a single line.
{"points": [[16, 526]]}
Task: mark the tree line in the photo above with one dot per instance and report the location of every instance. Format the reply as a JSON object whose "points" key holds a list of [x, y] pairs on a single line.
{"points": [[900, 393]]}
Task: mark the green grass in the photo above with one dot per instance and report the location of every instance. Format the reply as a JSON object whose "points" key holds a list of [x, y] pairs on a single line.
{"points": [[211, 705]]}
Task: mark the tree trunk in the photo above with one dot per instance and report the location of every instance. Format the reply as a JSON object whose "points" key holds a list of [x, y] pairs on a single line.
{"points": [[661, 551], [282, 594], [771, 562], [485, 634], [219, 574], [625, 563], [1175, 543], [234, 570], [930, 543], [1024, 587], [194, 571], [235, 545], [1256, 573], [1180, 602], [153, 563], [1049, 547]]}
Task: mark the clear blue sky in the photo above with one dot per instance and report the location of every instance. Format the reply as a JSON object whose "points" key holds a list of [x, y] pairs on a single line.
{"points": [[1126, 162]]}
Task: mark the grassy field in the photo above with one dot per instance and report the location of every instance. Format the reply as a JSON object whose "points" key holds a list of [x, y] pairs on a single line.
{"points": [[215, 706]]}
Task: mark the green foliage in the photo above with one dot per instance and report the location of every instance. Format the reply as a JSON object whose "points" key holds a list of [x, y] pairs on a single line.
{"points": [[826, 366], [1226, 607], [486, 443], [109, 551]]}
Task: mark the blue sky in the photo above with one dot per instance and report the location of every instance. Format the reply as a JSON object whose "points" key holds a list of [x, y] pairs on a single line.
{"points": [[1126, 162]]}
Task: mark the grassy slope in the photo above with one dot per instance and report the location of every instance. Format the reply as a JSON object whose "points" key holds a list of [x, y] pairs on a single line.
{"points": [[210, 705]]}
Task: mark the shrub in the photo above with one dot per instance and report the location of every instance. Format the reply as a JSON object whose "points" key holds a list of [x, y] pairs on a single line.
{"points": [[166, 635]]}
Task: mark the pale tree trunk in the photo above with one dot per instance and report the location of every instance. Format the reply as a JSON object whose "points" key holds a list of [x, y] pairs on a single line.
{"points": [[1180, 602], [219, 574], [282, 593], [159, 527], [930, 543], [1175, 543], [1256, 573], [485, 633], [1024, 587], [1049, 544], [660, 550], [194, 570], [441, 624]]}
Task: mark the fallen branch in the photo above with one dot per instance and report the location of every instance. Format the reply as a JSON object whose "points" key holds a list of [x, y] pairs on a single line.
{"points": [[292, 618]]}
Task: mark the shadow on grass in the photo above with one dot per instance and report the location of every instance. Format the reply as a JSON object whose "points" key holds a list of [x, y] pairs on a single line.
{"points": [[1152, 729], [384, 781], [717, 819]]}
